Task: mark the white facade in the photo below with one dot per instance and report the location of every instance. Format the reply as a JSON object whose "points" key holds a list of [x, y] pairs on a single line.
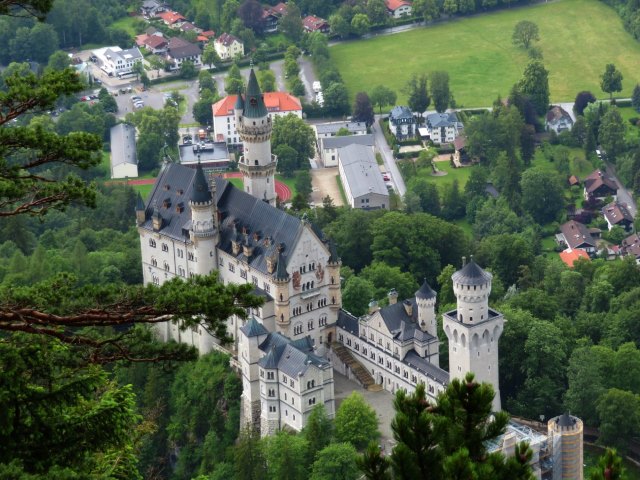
{"points": [[443, 127], [115, 61], [228, 47]]}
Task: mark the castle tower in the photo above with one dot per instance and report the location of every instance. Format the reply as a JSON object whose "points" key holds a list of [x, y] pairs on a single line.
{"points": [[204, 224], [473, 329], [333, 270], [141, 215], [565, 435], [252, 334], [426, 302], [281, 279], [258, 165]]}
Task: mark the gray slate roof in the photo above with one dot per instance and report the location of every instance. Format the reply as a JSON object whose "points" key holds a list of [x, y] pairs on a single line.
{"points": [[291, 357], [254, 106], [237, 208], [180, 48], [361, 171], [253, 328], [334, 127], [329, 143], [123, 144], [437, 120], [400, 112], [415, 361], [208, 151], [425, 291], [126, 55], [471, 274]]}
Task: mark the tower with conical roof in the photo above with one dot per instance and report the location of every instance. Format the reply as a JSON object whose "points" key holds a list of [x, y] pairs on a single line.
{"points": [[204, 224], [473, 329], [281, 279], [257, 164]]}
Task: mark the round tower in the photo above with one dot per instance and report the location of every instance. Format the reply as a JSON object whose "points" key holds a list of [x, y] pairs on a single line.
{"points": [[333, 271], [282, 302], [204, 228], [258, 165], [473, 329], [426, 301], [565, 433]]}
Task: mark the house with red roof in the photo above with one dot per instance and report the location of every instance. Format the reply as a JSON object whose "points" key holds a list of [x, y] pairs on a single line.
{"points": [[156, 44], [618, 214], [224, 122], [599, 186], [630, 246], [398, 8], [311, 23], [172, 19]]}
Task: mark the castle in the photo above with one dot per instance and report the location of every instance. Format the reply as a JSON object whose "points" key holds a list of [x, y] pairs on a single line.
{"points": [[288, 349]]}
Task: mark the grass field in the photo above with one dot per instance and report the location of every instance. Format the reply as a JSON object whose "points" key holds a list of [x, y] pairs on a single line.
{"points": [[482, 61], [127, 24], [578, 165]]}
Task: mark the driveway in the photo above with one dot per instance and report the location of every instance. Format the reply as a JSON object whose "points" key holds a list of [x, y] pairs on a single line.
{"points": [[387, 156], [624, 196]]}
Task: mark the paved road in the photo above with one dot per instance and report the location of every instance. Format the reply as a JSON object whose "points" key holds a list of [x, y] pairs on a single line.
{"points": [[624, 196], [308, 76], [387, 156]]}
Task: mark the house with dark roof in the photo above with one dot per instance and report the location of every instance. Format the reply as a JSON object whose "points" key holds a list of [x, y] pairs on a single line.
{"points": [[311, 24], [156, 44], [151, 8], [124, 162], [617, 214], [598, 186], [577, 235], [443, 127], [402, 123], [227, 46], [179, 50], [558, 120], [630, 246], [460, 155], [269, 20]]}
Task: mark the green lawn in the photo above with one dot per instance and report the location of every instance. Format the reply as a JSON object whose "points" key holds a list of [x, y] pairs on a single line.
{"points": [[579, 166], [143, 190], [460, 174], [341, 188], [127, 24], [578, 38]]}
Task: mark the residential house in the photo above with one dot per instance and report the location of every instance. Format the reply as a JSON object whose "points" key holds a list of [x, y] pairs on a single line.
{"points": [[558, 119], [204, 37], [631, 246], [617, 214], [569, 257], [598, 186], [172, 19], [573, 181], [156, 44], [115, 61], [279, 9], [398, 8], [179, 51], [151, 8], [361, 178], [402, 123], [330, 129], [227, 46], [328, 146], [189, 27], [269, 20], [311, 24], [443, 127], [460, 151], [576, 235], [124, 162], [224, 121]]}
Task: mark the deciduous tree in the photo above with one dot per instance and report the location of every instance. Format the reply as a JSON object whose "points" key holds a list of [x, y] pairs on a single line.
{"points": [[294, 132], [583, 99], [440, 93], [336, 462], [535, 84], [542, 195], [362, 109], [417, 93], [611, 80], [524, 33], [382, 96]]}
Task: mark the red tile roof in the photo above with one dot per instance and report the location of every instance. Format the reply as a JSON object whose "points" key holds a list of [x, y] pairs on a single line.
{"points": [[227, 39], [280, 9], [396, 4], [171, 17], [141, 39], [571, 257], [597, 179], [154, 41], [208, 33], [313, 23], [274, 101]]}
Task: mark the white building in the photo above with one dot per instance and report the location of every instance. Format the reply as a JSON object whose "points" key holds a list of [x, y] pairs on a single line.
{"points": [[124, 162], [224, 121], [227, 47], [331, 129], [402, 123], [194, 226], [398, 8], [443, 127], [361, 178], [328, 146], [114, 61], [179, 51]]}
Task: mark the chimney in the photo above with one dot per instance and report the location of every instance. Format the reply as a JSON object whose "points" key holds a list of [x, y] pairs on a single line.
{"points": [[373, 307], [408, 307], [393, 296], [271, 264]]}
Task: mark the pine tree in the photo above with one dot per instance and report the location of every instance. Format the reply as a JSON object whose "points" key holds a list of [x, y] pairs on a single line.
{"points": [[609, 467]]}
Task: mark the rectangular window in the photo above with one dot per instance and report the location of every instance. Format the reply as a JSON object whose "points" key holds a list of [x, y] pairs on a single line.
{"points": [[221, 261], [254, 279], [243, 273], [232, 268]]}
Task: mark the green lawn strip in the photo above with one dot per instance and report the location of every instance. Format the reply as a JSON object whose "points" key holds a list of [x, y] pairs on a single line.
{"points": [[342, 194], [237, 182], [127, 24], [548, 243], [483, 63], [632, 131], [143, 190], [460, 174]]}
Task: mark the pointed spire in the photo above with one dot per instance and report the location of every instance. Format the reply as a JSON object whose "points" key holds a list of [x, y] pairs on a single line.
{"points": [[425, 292], [281, 269], [239, 101], [200, 192], [139, 203], [254, 101]]}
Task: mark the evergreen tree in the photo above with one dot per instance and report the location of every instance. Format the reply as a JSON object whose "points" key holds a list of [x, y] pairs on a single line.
{"points": [[248, 457], [609, 467], [535, 84], [417, 93], [635, 97]]}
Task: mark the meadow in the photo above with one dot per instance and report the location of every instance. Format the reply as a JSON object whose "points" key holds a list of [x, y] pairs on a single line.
{"points": [[577, 37]]}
